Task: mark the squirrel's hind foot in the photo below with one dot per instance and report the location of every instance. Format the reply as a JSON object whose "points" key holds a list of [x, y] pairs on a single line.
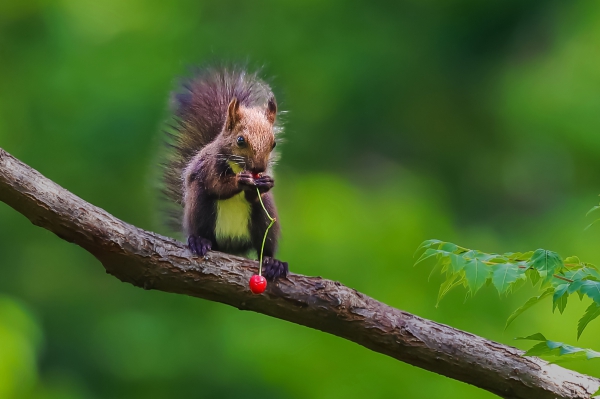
{"points": [[198, 245], [273, 268]]}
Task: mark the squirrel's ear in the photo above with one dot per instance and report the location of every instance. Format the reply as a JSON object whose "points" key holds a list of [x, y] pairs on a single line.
{"points": [[233, 115], [271, 110]]}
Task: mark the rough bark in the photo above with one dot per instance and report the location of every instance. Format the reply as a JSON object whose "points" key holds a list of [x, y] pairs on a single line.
{"points": [[151, 261]]}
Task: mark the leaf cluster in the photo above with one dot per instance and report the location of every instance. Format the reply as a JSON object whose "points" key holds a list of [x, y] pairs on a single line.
{"points": [[558, 352], [557, 277], [557, 349]]}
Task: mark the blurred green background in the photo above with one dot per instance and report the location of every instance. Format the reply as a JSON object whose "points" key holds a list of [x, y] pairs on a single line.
{"points": [[474, 122]]}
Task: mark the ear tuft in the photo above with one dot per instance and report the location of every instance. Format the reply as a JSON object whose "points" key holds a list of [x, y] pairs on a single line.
{"points": [[233, 115], [271, 111]]}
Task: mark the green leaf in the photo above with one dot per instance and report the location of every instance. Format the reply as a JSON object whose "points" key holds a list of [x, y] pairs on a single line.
{"points": [[538, 350], [590, 288], [572, 260], [554, 348], [482, 256], [582, 273], [476, 273], [519, 283], [595, 208], [533, 337], [564, 348], [428, 244], [530, 302], [591, 224], [590, 314], [534, 276], [504, 274], [426, 255], [448, 285], [457, 262], [441, 263], [546, 263], [518, 256], [448, 247], [559, 299]]}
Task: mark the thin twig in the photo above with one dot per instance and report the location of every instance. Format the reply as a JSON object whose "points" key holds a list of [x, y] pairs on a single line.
{"points": [[260, 263]]}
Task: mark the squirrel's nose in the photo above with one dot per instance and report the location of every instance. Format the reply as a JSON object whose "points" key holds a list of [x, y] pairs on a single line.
{"points": [[258, 167]]}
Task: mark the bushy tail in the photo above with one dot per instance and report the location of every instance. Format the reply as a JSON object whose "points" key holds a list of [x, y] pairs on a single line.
{"points": [[200, 108]]}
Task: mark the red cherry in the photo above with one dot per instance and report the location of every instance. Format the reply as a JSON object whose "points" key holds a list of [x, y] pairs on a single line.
{"points": [[258, 284], [256, 176]]}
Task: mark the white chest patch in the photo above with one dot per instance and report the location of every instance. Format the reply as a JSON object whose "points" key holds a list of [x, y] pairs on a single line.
{"points": [[233, 217]]}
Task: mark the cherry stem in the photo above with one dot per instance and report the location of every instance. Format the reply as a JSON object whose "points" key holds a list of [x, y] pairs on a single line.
{"points": [[260, 262]]}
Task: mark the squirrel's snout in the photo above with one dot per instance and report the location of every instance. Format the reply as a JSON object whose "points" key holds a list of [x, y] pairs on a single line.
{"points": [[258, 167]]}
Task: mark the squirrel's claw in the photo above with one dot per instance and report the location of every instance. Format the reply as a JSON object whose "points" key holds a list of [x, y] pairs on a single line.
{"points": [[198, 245], [273, 268]]}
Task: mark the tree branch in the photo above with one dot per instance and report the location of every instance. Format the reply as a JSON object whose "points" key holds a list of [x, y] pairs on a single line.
{"points": [[151, 261]]}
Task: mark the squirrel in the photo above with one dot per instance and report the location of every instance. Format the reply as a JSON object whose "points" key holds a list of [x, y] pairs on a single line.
{"points": [[222, 150]]}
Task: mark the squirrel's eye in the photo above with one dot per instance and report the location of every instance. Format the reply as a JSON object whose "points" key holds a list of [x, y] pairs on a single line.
{"points": [[274, 144], [241, 141]]}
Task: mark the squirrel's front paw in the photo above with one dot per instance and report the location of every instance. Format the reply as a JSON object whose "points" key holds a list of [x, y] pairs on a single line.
{"points": [[198, 245], [264, 183], [273, 268], [246, 180]]}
